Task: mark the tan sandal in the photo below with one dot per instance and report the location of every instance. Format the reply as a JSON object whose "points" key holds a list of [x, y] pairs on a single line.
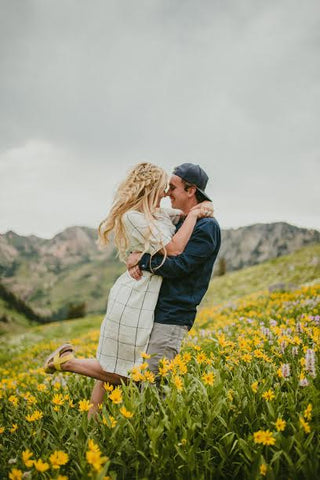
{"points": [[57, 360]]}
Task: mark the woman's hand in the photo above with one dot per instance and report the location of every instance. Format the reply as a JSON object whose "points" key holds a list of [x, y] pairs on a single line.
{"points": [[202, 210], [132, 265]]}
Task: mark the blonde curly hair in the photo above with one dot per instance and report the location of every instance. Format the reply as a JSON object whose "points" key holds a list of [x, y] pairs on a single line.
{"points": [[140, 191]]}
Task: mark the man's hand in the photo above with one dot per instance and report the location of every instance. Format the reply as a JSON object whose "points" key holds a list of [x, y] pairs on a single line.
{"points": [[132, 265]]}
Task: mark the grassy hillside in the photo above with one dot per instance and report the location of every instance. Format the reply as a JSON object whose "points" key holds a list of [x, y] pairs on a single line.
{"points": [[48, 292], [302, 266], [11, 321]]}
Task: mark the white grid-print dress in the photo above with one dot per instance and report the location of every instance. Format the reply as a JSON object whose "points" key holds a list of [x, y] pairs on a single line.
{"points": [[128, 322]]}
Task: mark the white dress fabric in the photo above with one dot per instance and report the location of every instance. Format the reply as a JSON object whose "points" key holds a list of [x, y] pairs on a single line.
{"points": [[128, 322]]}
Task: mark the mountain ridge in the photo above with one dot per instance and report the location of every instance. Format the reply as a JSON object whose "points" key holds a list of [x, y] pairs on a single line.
{"points": [[50, 274]]}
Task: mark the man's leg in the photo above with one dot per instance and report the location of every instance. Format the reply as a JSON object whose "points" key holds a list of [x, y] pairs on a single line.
{"points": [[165, 341]]}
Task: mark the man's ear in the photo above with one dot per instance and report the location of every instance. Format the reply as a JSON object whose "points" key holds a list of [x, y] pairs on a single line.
{"points": [[191, 191]]}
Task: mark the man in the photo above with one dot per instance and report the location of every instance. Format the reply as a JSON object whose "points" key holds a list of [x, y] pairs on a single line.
{"points": [[186, 276]]}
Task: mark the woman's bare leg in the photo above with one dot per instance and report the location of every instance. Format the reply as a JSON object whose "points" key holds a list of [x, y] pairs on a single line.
{"points": [[90, 367], [96, 398]]}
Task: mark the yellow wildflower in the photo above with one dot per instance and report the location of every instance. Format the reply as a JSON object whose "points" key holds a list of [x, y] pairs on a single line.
{"points": [[58, 458], [116, 396], [136, 375], [187, 357], [36, 415], [94, 458], [14, 400], [84, 405], [144, 365], [41, 387], [108, 387], [164, 367], [263, 469], [246, 358], [254, 387], [111, 422], [15, 474], [177, 382], [145, 355], [268, 395], [163, 371], [40, 465], [13, 428], [305, 425], [280, 424], [230, 395], [93, 446], [2, 429], [26, 457], [201, 358], [62, 477], [307, 412], [257, 353], [126, 412], [182, 367], [149, 377], [58, 399], [279, 372], [208, 378], [31, 399], [265, 437]]}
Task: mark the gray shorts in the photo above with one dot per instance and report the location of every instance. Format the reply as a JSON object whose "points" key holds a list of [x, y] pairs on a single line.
{"points": [[165, 341]]}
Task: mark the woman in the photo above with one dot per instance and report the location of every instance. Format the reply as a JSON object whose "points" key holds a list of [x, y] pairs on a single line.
{"points": [[139, 224]]}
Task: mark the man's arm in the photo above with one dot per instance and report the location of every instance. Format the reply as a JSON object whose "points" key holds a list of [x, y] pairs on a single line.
{"points": [[200, 247]]}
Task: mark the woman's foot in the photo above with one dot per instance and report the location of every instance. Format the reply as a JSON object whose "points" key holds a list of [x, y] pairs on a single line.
{"points": [[58, 358]]}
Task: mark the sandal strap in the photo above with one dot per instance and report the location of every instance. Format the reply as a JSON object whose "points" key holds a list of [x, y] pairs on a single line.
{"points": [[58, 361]]}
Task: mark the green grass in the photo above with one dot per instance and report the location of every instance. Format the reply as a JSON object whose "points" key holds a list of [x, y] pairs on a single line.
{"points": [[300, 267], [21, 341], [11, 322]]}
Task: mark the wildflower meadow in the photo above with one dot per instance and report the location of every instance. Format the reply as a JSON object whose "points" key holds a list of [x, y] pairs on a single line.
{"points": [[241, 401]]}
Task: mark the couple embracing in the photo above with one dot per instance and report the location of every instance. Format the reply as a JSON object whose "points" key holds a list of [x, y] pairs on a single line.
{"points": [[170, 253]]}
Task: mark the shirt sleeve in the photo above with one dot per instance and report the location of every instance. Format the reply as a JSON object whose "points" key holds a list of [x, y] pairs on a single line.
{"points": [[139, 229], [200, 247]]}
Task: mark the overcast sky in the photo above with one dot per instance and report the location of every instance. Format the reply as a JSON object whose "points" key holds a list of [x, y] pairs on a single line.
{"points": [[89, 88]]}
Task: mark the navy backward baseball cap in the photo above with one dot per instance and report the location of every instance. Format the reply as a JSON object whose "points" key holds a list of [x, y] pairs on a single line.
{"points": [[194, 174]]}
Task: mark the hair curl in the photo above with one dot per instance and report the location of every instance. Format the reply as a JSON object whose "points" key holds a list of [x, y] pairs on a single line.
{"points": [[140, 191]]}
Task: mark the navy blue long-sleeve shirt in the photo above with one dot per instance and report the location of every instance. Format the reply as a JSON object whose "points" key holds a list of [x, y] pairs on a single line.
{"points": [[186, 276]]}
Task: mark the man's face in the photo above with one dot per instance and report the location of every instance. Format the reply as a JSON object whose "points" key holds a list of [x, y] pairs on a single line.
{"points": [[178, 195]]}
